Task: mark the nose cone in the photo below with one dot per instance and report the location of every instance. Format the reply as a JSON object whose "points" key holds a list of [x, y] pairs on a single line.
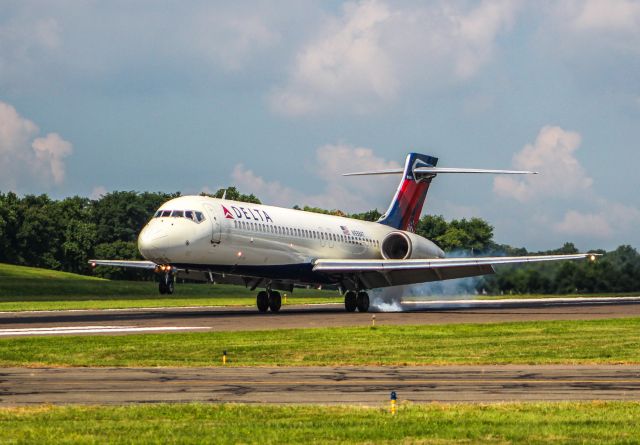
{"points": [[150, 241]]}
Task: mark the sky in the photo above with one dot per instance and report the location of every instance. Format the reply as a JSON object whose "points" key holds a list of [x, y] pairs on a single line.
{"points": [[281, 98]]}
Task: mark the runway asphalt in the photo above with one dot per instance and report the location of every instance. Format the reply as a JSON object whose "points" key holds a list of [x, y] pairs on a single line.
{"points": [[323, 385], [132, 321]]}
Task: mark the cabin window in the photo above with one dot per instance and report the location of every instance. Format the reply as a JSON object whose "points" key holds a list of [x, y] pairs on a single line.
{"points": [[166, 213], [188, 214], [199, 217], [177, 214]]}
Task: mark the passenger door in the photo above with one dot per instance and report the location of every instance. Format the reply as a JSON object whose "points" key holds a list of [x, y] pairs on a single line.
{"points": [[215, 218]]}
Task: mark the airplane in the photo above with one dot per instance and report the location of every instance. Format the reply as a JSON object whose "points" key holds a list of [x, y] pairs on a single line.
{"points": [[276, 249]]}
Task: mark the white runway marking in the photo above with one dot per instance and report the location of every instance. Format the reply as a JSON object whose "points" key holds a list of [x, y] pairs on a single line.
{"points": [[513, 302], [93, 330]]}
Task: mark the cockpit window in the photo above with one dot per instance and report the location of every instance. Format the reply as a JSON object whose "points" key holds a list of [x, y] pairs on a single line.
{"points": [[193, 215]]}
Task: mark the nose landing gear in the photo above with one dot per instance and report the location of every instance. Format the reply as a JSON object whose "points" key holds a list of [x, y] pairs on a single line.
{"points": [[269, 299], [166, 284], [353, 301]]}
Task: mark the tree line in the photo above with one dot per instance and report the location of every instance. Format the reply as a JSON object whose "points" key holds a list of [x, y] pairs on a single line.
{"points": [[38, 231]]}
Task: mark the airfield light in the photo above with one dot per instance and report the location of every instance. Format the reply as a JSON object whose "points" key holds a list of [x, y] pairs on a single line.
{"points": [[394, 400], [373, 321], [224, 357]]}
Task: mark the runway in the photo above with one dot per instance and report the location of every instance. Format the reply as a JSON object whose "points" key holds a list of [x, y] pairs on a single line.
{"points": [[323, 385], [203, 319]]}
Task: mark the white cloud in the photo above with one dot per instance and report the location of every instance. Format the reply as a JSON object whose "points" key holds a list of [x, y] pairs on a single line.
{"points": [[49, 151], [553, 156], [98, 192], [601, 15], [228, 38], [373, 51], [331, 161], [563, 178], [606, 220], [24, 157], [591, 26], [26, 42], [576, 223]]}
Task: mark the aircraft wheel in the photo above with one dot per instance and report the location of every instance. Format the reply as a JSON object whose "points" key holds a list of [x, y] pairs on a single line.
{"points": [[170, 286], [162, 287], [362, 301], [275, 301], [262, 300], [350, 301]]}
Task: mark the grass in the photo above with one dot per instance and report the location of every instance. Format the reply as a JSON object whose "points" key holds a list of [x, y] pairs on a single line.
{"points": [[32, 289], [551, 342], [28, 288], [530, 423]]}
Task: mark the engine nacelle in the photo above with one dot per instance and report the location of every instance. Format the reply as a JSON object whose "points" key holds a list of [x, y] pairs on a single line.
{"points": [[407, 245]]}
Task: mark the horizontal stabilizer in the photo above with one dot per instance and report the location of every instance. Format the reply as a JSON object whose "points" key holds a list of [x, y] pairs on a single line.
{"points": [[441, 170]]}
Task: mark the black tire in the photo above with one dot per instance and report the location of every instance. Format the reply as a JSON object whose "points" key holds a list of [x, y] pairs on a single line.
{"points": [[362, 301], [275, 301], [162, 286], [262, 301], [350, 301], [170, 286]]}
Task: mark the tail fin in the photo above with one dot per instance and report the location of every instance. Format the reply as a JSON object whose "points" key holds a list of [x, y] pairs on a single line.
{"points": [[419, 170], [406, 206]]}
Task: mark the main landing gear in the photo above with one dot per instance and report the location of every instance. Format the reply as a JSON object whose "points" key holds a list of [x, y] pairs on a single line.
{"points": [[269, 299], [359, 300]]}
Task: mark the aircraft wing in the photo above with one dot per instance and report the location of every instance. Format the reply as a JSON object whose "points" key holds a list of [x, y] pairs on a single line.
{"points": [[150, 265], [383, 273]]}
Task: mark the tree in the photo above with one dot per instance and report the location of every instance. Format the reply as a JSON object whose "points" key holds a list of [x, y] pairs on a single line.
{"points": [[371, 215], [233, 194], [120, 216]]}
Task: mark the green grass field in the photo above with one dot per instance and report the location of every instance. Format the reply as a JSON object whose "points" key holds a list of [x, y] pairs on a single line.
{"points": [[550, 342], [28, 288], [527, 423], [33, 289]]}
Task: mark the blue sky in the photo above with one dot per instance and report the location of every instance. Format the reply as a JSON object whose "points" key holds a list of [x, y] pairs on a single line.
{"points": [[279, 98]]}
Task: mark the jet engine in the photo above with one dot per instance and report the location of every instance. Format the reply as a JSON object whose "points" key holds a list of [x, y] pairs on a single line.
{"points": [[406, 245]]}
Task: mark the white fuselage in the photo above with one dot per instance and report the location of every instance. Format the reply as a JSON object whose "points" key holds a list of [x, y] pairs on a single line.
{"points": [[231, 233]]}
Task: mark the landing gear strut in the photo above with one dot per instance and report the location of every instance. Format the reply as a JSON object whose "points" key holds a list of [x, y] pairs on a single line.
{"points": [[166, 284], [269, 299], [353, 301]]}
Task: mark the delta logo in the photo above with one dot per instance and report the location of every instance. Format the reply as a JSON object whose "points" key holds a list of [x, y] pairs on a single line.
{"points": [[246, 213]]}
